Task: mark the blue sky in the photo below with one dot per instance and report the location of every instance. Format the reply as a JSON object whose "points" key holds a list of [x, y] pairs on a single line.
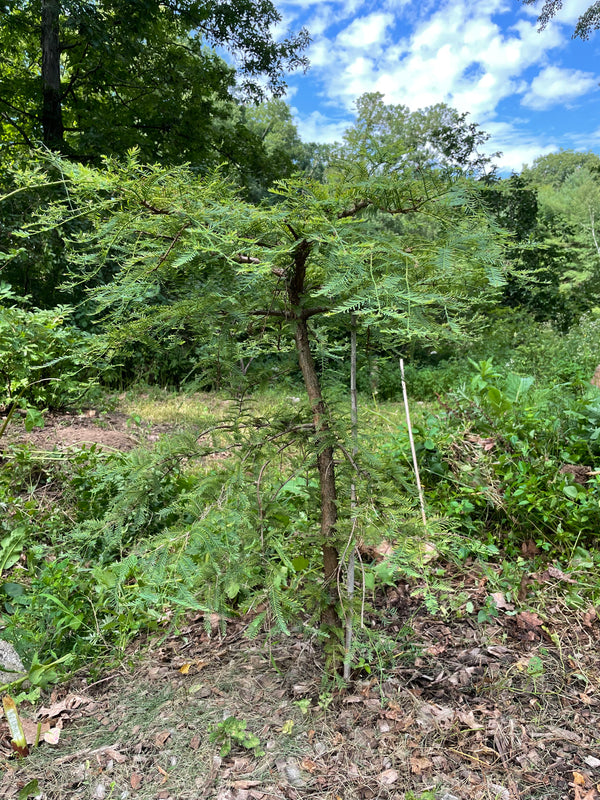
{"points": [[533, 92]]}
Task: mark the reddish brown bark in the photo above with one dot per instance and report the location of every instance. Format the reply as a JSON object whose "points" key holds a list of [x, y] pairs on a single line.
{"points": [[325, 460]]}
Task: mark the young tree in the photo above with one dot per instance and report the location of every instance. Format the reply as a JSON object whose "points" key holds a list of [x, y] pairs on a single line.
{"points": [[564, 247], [191, 253]]}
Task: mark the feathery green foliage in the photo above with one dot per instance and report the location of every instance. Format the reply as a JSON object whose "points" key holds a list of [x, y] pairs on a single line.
{"points": [[191, 259]]}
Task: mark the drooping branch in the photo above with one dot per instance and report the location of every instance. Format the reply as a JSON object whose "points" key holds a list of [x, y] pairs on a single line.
{"points": [[242, 259], [359, 205], [17, 127], [154, 209], [304, 313], [176, 238]]}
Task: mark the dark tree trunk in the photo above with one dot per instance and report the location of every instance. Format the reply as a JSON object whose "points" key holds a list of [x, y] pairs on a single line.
{"points": [[325, 461], [52, 122]]}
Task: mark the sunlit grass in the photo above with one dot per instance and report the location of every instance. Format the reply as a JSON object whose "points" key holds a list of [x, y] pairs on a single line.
{"points": [[162, 407], [156, 406]]}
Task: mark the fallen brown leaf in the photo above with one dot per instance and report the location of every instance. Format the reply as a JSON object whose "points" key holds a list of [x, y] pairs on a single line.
{"points": [[185, 668], [467, 718], [589, 617], [555, 572], [388, 777], [136, 780], [161, 738], [34, 731], [500, 601], [529, 549], [419, 765], [116, 756], [527, 620], [585, 794], [383, 549], [65, 706], [487, 444], [523, 587]]}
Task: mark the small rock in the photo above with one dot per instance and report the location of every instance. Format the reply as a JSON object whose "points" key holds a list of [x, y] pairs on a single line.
{"points": [[591, 761], [501, 792], [11, 666], [289, 769], [99, 792]]}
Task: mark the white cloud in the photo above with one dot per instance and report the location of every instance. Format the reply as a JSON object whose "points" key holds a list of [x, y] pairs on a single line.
{"points": [[554, 85], [517, 145], [436, 62], [365, 31], [295, 4], [319, 54], [585, 141], [316, 127], [321, 20], [472, 56]]}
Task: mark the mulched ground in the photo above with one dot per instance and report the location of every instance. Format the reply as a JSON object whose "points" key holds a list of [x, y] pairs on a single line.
{"points": [[442, 708], [502, 711]]}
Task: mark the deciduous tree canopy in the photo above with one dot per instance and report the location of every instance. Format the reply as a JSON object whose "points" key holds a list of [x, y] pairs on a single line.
{"points": [[98, 76], [588, 22]]}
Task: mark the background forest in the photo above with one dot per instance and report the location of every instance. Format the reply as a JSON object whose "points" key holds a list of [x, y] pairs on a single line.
{"points": [[169, 242]]}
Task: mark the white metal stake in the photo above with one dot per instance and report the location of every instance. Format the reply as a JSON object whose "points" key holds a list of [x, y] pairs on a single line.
{"points": [[351, 559], [412, 446]]}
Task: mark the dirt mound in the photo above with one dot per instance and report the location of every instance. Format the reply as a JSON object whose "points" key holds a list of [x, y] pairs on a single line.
{"points": [[108, 430]]}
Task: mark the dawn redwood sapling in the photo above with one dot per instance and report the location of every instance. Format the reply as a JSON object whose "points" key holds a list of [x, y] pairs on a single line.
{"points": [[187, 252]]}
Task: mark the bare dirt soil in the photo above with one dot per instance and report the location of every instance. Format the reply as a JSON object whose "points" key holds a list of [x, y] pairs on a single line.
{"points": [[64, 431], [505, 710], [111, 430]]}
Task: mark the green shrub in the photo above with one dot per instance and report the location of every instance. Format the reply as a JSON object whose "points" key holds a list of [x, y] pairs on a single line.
{"points": [[493, 459], [42, 358]]}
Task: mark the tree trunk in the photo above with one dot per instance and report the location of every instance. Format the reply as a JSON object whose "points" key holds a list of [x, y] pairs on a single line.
{"points": [[52, 123], [325, 462], [325, 465]]}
